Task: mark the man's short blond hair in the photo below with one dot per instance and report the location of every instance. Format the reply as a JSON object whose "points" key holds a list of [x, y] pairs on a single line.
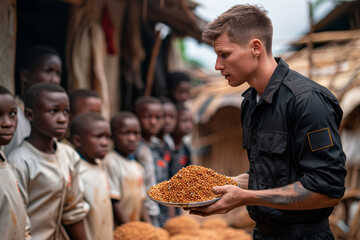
{"points": [[242, 23]]}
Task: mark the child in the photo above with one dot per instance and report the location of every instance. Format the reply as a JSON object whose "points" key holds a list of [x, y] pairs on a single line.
{"points": [[12, 214], [181, 154], [170, 118], [178, 87], [84, 100], [126, 176], [90, 134], [47, 171], [39, 64], [150, 113]]}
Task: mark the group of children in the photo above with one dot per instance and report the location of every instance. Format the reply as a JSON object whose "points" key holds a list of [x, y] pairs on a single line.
{"points": [[62, 181]]}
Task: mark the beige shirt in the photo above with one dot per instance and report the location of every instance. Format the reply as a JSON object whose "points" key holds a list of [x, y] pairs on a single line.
{"points": [[145, 158], [22, 130], [99, 224], [126, 179], [49, 185], [12, 211]]}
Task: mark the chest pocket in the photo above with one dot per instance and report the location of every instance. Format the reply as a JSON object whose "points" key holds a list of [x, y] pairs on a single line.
{"points": [[273, 164]]}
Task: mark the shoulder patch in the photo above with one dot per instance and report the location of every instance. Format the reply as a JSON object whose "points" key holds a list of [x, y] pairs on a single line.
{"points": [[320, 139]]}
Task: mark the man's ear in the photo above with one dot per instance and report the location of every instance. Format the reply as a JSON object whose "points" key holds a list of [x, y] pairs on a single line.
{"points": [[257, 47], [76, 140], [29, 114]]}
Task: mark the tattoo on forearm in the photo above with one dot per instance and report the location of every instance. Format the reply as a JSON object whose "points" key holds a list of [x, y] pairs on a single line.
{"points": [[289, 195]]}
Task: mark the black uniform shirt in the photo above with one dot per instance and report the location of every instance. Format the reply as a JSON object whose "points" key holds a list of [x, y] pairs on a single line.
{"points": [[291, 134]]}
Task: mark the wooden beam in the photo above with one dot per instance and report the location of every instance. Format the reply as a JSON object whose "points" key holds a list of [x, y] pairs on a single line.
{"points": [[328, 37]]}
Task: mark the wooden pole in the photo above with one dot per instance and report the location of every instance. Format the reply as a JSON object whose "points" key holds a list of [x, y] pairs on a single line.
{"points": [[310, 44]]}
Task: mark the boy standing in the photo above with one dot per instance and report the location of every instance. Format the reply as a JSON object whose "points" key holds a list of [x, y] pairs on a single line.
{"points": [[47, 171], [181, 154], [12, 211], [39, 64], [90, 134], [150, 113], [126, 176]]}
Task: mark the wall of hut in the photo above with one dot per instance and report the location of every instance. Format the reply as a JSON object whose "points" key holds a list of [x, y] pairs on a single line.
{"points": [[218, 143]]}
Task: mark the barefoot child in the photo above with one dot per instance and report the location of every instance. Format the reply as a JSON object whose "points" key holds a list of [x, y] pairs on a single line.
{"points": [[47, 171], [90, 134]]}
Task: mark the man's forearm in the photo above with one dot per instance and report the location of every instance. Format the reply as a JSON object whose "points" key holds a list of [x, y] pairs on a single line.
{"points": [[291, 197]]}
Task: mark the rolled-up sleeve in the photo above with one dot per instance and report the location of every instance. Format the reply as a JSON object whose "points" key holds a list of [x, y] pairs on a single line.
{"points": [[318, 147]]}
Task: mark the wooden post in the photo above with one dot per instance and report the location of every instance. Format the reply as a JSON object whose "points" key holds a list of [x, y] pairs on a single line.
{"points": [[310, 44]]}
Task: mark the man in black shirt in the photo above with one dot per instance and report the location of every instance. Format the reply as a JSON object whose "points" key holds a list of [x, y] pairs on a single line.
{"points": [[290, 125]]}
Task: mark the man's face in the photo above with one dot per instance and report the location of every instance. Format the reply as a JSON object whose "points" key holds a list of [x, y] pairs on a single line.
{"points": [[50, 117], [86, 104], [236, 63], [151, 118], [8, 118], [169, 117], [127, 135], [47, 70], [95, 141]]}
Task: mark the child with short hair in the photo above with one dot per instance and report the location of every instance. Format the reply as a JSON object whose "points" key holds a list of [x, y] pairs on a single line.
{"points": [[84, 100], [48, 171], [81, 101], [178, 85], [38, 64], [181, 154], [126, 176], [150, 113], [170, 118], [13, 213], [90, 134]]}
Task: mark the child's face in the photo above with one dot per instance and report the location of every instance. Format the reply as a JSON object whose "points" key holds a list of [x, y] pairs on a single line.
{"points": [[47, 70], [50, 117], [87, 104], [8, 118], [95, 141], [182, 92], [151, 118], [185, 124], [127, 135], [169, 117]]}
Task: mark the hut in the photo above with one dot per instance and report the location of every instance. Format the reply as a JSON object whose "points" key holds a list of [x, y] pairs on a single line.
{"points": [[122, 49]]}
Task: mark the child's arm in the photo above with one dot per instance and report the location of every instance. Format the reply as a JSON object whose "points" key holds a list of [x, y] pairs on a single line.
{"points": [[75, 208], [145, 215], [119, 215], [76, 231]]}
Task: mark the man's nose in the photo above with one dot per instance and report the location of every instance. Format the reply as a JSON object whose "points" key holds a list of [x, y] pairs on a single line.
{"points": [[218, 64]]}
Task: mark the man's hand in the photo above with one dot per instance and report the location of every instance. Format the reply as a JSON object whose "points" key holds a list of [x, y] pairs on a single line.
{"points": [[290, 197], [230, 199]]}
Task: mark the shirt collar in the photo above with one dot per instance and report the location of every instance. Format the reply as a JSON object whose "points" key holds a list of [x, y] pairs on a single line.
{"points": [[273, 84]]}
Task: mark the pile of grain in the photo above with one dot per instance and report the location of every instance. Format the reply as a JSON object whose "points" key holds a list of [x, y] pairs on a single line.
{"points": [[190, 184], [183, 227]]}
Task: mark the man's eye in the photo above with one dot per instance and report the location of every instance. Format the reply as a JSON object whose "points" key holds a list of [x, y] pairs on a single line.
{"points": [[224, 55]]}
